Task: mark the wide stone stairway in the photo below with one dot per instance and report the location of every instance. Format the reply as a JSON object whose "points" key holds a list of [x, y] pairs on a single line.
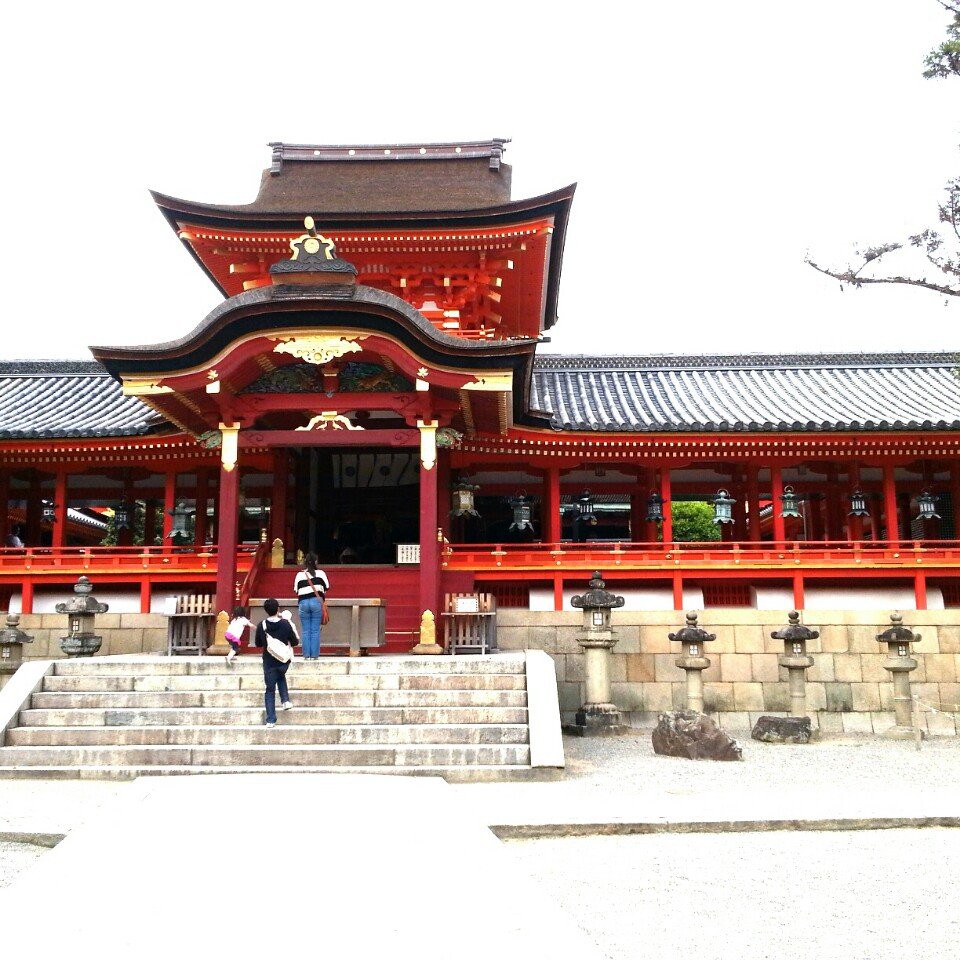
{"points": [[459, 717]]}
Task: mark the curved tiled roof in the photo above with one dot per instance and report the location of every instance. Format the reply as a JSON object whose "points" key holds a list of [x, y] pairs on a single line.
{"points": [[729, 393], [47, 399]]}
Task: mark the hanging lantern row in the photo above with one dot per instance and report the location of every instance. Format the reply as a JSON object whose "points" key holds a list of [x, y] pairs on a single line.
{"points": [[927, 504], [180, 532], [522, 512], [858, 504], [585, 512], [723, 507], [48, 512], [654, 508], [123, 516], [463, 503]]}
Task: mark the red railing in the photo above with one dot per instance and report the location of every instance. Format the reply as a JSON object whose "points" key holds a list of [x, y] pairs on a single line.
{"points": [[554, 557], [17, 561], [259, 559]]}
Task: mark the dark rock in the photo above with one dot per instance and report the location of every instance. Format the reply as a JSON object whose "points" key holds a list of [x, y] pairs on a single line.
{"points": [[782, 730], [690, 734]]}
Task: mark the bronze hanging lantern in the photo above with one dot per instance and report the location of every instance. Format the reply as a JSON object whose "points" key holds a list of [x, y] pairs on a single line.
{"points": [[654, 508], [927, 505], [522, 513], [180, 532], [585, 512], [463, 504], [789, 503], [858, 504], [123, 516], [48, 512], [723, 507]]}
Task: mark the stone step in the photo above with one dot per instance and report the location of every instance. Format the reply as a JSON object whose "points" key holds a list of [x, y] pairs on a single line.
{"points": [[182, 666], [314, 755], [296, 680], [246, 716], [259, 734], [304, 698]]}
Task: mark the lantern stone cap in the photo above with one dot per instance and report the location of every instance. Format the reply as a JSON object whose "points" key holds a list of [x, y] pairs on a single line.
{"points": [[898, 633], [12, 632], [692, 632], [597, 598], [794, 631], [83, 600]]}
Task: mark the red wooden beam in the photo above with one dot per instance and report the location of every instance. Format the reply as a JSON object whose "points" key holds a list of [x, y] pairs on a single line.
{"points": [[252, 439]]}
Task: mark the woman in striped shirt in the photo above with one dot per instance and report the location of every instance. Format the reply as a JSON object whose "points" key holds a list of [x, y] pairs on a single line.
{"points": [[311, 586]]}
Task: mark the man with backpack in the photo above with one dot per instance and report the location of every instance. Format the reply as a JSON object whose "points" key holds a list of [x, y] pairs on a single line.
{"points": [[277, 638]]}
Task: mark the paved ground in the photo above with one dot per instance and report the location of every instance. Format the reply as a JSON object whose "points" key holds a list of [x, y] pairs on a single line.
{"points": [[831, 896], [15, 858]]}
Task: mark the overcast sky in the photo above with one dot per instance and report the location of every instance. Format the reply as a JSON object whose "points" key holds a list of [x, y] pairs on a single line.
{"points": [[713, 143]]}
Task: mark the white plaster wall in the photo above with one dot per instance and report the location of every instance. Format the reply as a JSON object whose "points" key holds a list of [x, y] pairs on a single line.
{"points": [[869, 598], [120, 601], [541, 599]]}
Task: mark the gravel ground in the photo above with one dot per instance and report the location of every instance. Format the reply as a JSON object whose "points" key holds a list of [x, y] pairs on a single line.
{"points": [[831, 896], [15, 858]]}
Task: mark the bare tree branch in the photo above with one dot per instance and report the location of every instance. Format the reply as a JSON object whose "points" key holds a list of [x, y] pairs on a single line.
{"points": [[853, 277]]}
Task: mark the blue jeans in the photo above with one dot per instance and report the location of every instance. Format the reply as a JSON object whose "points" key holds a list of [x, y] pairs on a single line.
{"points": [[310, 613], [275, 679]]}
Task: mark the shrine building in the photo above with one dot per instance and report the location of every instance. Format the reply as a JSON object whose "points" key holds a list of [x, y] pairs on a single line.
{"points": [[373, 388]]}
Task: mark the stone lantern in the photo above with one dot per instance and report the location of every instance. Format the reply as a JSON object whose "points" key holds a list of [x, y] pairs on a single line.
{"points": [[900, 663], [692, 661], [796, 660], [81, 614], [598, 716], [12, 639]]}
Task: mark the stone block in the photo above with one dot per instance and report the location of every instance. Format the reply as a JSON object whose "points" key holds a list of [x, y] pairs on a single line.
{"points": [[764, 668], [929, 640], [726, 638], [834, 638], [748, 638], [871, 668], [576, 667], [881, 722], [559, 666], [866, 696], [712, 673], [847, 668], [823, 669], [512, 638], [657, 696], [154, 640], [830, 722], [566, 641], [627, 637], [940, 667], [570, 698], [857, 723], [950, 696], [927, 692], [641, 667], [718, 697], [629, 697], [748, 696], [666, 668], [678, 696], [816, 696], [734, 720], [886, 696], [863, 639], [949, 637], [122, 641], [776, 697], [694, 736], [654, 639], [735, 667], [618, 668], [838, 697]]}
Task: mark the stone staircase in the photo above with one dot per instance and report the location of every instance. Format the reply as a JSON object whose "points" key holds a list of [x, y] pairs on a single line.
{"points": [[464, 718]]}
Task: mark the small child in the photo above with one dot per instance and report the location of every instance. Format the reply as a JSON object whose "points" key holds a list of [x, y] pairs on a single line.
{"points": [[235, 629], [288, 616]]}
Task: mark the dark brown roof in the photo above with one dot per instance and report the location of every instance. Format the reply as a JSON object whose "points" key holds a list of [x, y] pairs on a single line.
{"points": [[382, 178]]}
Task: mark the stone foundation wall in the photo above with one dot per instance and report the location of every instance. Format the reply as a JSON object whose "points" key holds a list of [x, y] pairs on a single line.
{"points": [[848, 691]]}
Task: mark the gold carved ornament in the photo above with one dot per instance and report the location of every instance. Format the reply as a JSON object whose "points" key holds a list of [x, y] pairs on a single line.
{"points": [[318, 349], [330, 420]]}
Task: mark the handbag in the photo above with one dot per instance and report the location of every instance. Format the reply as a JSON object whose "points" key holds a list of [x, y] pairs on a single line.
{"points": [[277, 648], [324, 612]]}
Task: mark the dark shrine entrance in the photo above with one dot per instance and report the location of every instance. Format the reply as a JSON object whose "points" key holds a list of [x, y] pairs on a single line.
{"points": [[354, 505]]}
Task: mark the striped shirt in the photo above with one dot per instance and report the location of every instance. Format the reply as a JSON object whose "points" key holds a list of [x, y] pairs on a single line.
{"points": [[302, 586]]}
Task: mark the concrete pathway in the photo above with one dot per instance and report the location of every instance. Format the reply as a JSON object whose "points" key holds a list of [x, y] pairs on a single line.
{"points": [[275, 865]]}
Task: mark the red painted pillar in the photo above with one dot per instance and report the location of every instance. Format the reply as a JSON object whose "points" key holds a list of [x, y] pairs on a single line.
{"points": [[890, 506], [558, 592], [776, 492], [169, 502], [443, 492], [429, 556], [799, 598], [26, 597], [667, 509], [677, 592], [200, 501], [920, 590], [753, 498], [278, 495], [550, 521], [34, 511], [955, 498], [4, 507], [229, 501], [145, 596], [59, 532]]}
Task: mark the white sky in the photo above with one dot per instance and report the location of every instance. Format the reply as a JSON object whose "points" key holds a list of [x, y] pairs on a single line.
{"points": [[714, 143]]}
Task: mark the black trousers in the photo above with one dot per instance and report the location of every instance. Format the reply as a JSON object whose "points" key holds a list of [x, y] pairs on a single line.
{"points": [[275, 680]]}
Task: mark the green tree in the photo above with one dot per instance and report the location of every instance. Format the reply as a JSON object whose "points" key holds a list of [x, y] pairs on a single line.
{"points": [[693, 521], [940, 245]]}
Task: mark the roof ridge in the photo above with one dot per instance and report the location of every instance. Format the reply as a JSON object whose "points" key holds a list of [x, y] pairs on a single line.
{"points": [[41, 368], [747, 360]]}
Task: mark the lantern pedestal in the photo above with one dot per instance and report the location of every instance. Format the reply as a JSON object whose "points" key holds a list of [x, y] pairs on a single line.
{"points": [[900, 664], [692, 638], [81, 612], [797, 667], [693, 667]]}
